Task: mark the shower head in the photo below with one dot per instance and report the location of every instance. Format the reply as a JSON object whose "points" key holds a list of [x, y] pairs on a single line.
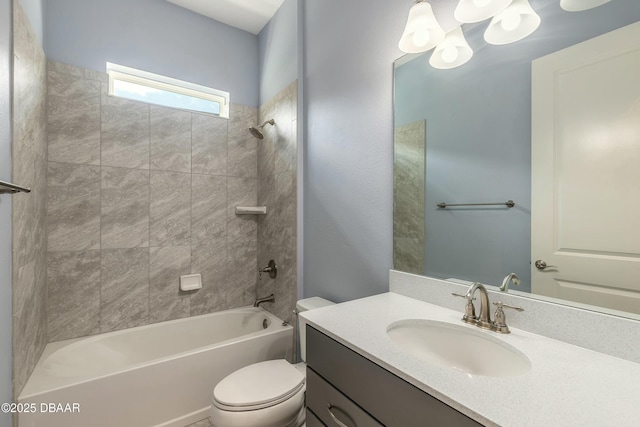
{"points": [[257, 130]]}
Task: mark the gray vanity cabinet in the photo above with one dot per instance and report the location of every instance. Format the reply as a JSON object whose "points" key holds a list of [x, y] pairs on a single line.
{"points": [[312, 420], [346, 389]]}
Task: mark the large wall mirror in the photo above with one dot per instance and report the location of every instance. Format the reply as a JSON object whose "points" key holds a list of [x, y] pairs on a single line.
{"points": [[552, 123]]}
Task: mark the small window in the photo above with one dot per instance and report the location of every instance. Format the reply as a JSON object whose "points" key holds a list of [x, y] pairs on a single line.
{"points": [[152, 88]]}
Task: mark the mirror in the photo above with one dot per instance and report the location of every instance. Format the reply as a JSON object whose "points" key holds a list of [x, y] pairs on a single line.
{"points": [[464, 135]]}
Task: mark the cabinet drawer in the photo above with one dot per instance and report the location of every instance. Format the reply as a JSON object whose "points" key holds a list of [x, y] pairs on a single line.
{"points": [[333, 408], [312, 420], [390, 399]]}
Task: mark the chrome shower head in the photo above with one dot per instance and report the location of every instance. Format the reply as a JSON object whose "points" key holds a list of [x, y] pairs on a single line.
{"points": [[257, 130]]}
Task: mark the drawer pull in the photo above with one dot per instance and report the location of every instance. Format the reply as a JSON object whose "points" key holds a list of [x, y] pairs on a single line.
{"points": [[335, 419]]}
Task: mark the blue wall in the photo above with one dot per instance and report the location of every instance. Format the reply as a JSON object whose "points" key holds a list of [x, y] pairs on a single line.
{"points": [[479, 141], [155, 36], [278, 50], [349, 50], [6, 385]]}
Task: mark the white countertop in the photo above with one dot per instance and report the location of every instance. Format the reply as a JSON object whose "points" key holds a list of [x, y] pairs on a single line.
{"points": [[566, 386]]}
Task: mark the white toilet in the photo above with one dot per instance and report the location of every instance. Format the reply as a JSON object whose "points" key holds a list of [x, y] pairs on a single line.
{"points": [[265, 394]]}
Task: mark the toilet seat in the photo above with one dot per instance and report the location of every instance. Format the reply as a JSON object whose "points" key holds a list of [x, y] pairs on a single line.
{"points": [[258, 386]]}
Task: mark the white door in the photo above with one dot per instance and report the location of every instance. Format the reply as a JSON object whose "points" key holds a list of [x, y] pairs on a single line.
{"points": [[586, 172]]}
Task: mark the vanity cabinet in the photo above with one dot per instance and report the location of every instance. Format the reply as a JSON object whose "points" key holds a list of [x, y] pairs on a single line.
{"points": [[345, 388], [312, 420]]}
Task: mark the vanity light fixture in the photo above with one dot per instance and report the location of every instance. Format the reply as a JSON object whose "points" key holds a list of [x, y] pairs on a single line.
{"points": [[452, 52], [580, 5], [514, 23], [469, 11], [422, 32]]}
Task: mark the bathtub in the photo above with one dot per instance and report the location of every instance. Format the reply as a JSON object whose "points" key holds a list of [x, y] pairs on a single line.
{"points": [[158, 375]]}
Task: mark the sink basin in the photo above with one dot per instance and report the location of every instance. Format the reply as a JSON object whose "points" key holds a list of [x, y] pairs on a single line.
{"points": [[458, 347]]}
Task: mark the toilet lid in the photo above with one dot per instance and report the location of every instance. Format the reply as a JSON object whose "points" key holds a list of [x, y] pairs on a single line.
{"points": [[258, 386]]}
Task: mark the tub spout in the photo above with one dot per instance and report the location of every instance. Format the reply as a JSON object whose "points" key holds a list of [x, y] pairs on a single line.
{"points": [[270, 298]]}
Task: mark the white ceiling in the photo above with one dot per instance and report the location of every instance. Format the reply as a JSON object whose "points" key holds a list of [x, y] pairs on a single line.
{"points": [[248, 15]]}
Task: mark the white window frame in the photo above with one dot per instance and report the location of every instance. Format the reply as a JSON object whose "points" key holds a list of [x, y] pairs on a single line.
{"points": [[157, 81]]}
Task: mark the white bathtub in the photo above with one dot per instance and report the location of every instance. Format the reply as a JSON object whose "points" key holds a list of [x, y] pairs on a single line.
{"points": [[156, 375]]}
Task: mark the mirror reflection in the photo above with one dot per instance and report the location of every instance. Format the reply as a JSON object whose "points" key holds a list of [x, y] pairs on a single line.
{"points": [[466, 135]]}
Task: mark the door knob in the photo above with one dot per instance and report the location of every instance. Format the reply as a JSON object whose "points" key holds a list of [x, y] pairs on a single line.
{"points": [[541, 265]]}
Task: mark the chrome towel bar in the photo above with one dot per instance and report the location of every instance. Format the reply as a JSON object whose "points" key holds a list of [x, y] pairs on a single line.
{"points": [[9, 188], [508, 203]]}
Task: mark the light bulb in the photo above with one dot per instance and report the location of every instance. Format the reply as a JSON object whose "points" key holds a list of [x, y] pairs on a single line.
{"points": [[511, 21], [422, 31], [514, 23], [450, 54], [421, 37]]}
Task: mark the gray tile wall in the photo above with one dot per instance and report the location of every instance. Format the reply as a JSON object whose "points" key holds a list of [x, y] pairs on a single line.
{"points": [[29, 163], [138, 196], [408, 197], [277, 189]]}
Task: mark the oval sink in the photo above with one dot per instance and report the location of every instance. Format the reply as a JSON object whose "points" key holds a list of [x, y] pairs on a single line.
{"points": [[454, 346]]}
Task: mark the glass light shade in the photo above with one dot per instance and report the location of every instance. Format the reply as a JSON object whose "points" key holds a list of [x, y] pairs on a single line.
{"points": [[452, 52], [422, 31], [579, 5], [469, 11], [512, 24]]}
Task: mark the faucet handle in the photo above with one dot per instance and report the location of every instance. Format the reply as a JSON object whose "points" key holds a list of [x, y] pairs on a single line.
{"points": [[513, 307], [500, 320], [271, 268], [460, 295], [469, 309]]}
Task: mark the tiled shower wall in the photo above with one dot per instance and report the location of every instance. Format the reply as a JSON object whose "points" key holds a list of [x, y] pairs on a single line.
{"points": [[139, 195], [29, 162], [277, 189], [408, 197]]}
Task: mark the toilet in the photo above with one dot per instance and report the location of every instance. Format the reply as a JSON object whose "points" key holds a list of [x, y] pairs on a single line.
{"points": [[266, 394]]}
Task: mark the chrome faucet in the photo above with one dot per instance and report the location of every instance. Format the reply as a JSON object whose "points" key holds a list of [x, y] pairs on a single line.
{"points": [[484, 319], [270, 298], [511, 278]]}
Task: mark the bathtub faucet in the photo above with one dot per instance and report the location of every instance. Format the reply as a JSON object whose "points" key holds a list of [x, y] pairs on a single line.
{"points": [[270, 298], [271, 268]]}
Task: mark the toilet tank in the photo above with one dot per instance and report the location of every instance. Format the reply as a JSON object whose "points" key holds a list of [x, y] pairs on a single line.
{"points": [[307, 304]]}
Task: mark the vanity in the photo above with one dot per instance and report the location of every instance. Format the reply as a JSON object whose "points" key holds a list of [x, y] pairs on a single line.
{"points": [[359, 374], [340, 382]]}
